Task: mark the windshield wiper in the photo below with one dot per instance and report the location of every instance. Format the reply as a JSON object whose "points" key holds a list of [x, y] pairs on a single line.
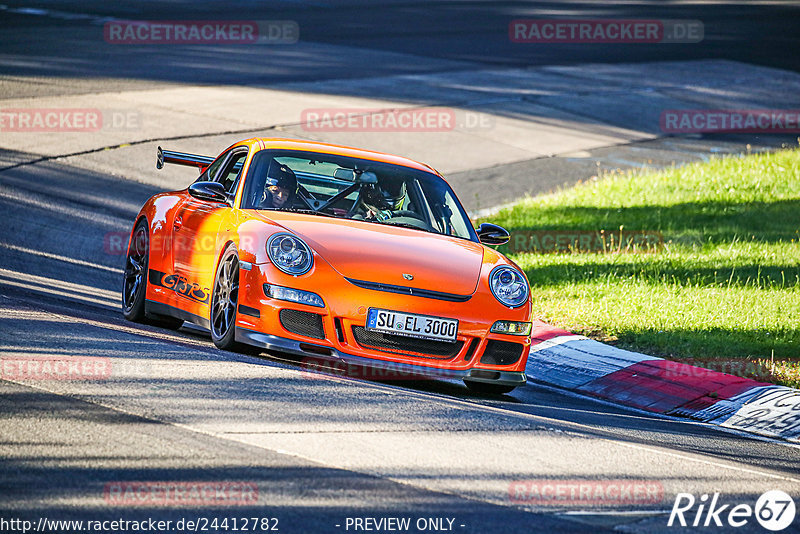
{"points": [[309, 211], [406, 225]]}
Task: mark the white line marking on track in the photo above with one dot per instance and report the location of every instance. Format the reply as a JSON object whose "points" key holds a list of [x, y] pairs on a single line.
{"points": [[49, 283], [58, 257]]}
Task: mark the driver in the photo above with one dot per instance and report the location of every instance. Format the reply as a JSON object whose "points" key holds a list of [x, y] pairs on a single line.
{"points": [[280, 186], [381, 203], [375, 206]]}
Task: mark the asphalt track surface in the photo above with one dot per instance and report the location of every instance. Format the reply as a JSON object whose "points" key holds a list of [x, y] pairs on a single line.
{"points": [[455, 33], [175, 406], [319, 448]]}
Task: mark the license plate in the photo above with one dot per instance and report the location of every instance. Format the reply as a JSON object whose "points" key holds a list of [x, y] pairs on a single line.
{"points": [[412, 325]]}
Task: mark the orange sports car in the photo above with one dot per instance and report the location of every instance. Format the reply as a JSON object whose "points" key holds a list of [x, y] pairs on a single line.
{"points": [[331, 253]]}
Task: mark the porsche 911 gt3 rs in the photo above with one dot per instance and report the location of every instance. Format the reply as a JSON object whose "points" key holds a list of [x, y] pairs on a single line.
{"points": [[331, 252]]}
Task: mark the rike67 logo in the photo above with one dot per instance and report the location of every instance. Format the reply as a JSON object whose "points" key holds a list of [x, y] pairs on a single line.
{"points": [[774, 510]]}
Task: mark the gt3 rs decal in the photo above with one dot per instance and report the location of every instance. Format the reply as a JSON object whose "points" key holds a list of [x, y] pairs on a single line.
{"points": [[180, 285]]}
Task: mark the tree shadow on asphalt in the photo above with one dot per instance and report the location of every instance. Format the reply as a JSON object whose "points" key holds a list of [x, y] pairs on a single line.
{"points": [[105, 465]]}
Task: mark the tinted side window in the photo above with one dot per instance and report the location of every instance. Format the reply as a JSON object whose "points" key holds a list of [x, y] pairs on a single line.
{"points": [[208, 174], [229, 175]]}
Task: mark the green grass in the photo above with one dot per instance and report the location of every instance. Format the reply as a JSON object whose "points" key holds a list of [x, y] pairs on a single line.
{"points": [[724, 288]]}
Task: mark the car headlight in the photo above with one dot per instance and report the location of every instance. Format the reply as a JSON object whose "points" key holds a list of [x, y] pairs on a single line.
{"points": [[508, 286], [289, 254]]}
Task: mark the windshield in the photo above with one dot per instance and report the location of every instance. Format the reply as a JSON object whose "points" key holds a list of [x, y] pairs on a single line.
{"points": [[352, 188]]}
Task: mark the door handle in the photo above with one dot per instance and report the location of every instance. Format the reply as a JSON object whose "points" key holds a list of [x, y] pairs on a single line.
{"points": [[177, 223]]}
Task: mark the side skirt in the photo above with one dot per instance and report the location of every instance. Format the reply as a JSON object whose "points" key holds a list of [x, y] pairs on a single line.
{"points": [[152, 307]]}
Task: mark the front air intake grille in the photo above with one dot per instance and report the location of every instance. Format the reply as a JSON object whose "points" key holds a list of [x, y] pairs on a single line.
{"points": [[302, 323], [501, 352], [442, 350]]}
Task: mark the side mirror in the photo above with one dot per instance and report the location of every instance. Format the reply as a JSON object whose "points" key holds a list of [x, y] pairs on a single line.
{"points": [[212, 191], [491, 234]]}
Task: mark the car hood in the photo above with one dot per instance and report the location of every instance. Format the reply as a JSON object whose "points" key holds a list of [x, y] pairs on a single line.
{"points": [[380, 253]]}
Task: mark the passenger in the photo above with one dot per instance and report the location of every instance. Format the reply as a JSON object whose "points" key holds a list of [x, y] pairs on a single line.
{"points": [[280, 187]]}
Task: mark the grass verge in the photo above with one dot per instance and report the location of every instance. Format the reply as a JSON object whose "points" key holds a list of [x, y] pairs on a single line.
{"points": [[724, 290]]}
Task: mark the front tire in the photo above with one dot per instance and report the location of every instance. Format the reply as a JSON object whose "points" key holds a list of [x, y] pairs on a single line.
{"points": [[224, 301]]}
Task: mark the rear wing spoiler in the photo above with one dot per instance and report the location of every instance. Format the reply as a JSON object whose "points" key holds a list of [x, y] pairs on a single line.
{"points": [[182, 158]]}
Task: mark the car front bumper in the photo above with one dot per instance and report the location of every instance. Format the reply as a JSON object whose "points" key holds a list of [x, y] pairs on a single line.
{"points": [[313, 353]]}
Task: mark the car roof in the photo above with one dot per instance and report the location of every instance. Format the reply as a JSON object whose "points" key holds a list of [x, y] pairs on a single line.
{"points": [[327, 148]]}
